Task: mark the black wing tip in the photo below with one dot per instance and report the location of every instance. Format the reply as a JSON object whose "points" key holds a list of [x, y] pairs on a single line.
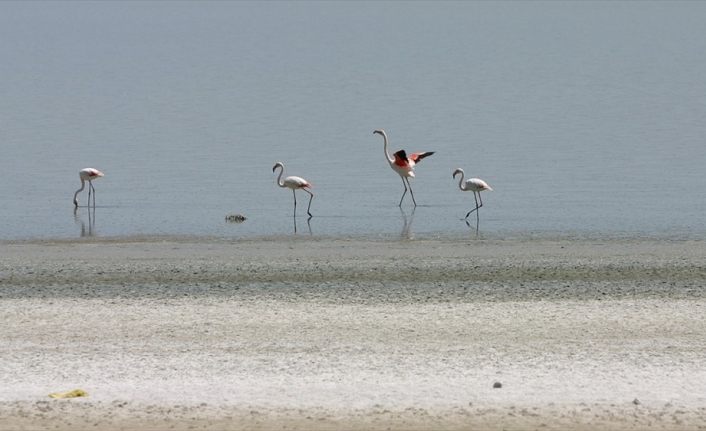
{"points": [[401, 154]]}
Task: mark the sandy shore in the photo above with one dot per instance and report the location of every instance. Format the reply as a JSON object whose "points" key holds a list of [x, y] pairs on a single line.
{"points": [[302, 333]]}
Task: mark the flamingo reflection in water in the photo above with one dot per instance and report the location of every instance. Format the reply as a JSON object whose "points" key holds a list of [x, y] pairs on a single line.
{"points": [[91, 230]]}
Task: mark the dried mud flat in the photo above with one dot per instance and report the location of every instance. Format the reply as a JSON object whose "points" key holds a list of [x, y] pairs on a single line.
{"points": [[312, 333]]}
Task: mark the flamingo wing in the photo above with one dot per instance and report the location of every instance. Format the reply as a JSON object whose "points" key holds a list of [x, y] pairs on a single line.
{"points": [[296, 182], [90, 173], [401, 159], [416, 157], [477, 185]]}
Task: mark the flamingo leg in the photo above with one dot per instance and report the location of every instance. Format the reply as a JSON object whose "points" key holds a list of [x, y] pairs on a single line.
{"points": [[411, 192], [478, 212], [308, 210], [404, 192], [476, 208], [90, 187], [294, 192]]}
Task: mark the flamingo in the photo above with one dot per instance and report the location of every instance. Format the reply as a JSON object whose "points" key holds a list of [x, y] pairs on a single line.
{"points": [[475, 185], [294, 183], [403, 164], [87, 174]]}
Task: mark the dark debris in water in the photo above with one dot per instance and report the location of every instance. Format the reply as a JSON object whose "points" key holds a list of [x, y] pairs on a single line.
{"points": [[235, 218]]}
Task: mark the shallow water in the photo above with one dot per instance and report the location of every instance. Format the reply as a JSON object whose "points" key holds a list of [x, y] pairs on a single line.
{"points": [[587, 119]]}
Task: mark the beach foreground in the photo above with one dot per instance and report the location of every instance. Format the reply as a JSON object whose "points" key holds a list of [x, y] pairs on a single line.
{"points": [[307, 333]]}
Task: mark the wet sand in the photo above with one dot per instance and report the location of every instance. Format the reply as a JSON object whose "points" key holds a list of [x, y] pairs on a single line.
{"points": [[306, 333]]}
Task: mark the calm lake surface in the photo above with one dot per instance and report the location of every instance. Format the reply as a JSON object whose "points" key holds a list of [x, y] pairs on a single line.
{"points": [[588, 119]]}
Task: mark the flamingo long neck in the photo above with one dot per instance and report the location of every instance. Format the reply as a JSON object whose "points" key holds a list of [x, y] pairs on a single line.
{"points": [[389, 158], [460, 182], [83, 185], [279, 178]]}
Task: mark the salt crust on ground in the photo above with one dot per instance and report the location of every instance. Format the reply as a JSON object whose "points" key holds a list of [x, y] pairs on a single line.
{"points": [[191, 333]]}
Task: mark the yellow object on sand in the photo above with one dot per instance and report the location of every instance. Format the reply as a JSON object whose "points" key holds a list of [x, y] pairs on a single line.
{"points": [[70, 394]]}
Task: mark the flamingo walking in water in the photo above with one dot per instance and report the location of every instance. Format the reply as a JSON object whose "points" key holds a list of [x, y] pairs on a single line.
{"points": [[403, 164], [88, 174], [294, 183], [475, 185]]}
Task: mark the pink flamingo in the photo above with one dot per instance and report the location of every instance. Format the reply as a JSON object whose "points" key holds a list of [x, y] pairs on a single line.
{"points": [[403, 165], [294, 183], [88, 174], [475, 185]]}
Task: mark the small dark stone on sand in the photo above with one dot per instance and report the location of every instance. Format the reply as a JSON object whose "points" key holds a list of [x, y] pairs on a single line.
{"points": [[497, 385], [636, 402]]}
